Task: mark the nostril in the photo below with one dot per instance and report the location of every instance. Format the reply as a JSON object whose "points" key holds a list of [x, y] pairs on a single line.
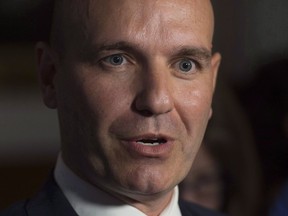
{"points": [[146, 113], [142, 110], [150, 102]]}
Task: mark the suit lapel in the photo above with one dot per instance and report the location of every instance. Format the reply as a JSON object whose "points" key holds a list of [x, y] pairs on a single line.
{"points": [[50, 202]]}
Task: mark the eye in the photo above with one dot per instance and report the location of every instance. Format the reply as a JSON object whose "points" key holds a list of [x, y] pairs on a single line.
{"points": [[115, 60], [186, 65]]}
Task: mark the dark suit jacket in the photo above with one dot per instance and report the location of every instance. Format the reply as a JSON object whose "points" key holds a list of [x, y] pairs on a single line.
{"points": [[50, 201]]}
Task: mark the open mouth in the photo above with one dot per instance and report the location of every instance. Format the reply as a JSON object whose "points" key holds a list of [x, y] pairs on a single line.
{"points": [[149, 145], [151, 142]]}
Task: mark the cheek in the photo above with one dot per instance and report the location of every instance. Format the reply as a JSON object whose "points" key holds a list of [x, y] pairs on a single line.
{"points": [[106, 100], [90, 100], [194, 106]]}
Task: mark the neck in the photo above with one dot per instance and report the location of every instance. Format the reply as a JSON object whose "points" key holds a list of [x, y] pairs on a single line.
{"points": [[152, 205], [149, 204]]}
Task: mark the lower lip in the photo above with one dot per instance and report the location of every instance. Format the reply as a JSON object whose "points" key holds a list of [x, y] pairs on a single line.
{"points": [[157, 151]]}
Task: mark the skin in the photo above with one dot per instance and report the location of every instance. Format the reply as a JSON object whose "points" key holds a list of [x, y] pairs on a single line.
{"points": [[104, 108]]}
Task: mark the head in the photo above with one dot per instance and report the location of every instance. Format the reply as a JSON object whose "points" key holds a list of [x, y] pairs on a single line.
{"points": [[132, 81]]}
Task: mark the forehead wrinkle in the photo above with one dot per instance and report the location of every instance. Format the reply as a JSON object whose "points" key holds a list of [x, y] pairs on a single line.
{"points": [[144, 21], [138, 30], [199, 12], [156, 17]]}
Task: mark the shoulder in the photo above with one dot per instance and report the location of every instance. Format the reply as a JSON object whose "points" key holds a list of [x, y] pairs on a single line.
{"points": [[18, 209], [280, 206], [49, 201], [188, 208]]}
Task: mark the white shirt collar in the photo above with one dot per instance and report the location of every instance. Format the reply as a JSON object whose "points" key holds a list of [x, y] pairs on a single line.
{"points": [[88, 200]]}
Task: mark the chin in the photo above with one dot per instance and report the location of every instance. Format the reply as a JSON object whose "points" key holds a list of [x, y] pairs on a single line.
{"points": [[147, 182]]}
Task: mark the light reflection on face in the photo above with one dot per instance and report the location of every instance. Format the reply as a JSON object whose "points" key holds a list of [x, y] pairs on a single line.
{"points": [[134, 96]]}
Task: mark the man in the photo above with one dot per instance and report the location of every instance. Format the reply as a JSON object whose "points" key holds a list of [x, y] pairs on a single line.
{"points": [[132, 81]]}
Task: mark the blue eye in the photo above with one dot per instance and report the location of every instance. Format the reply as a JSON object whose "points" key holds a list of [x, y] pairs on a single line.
{"points": [[115, 59], [186, 65]]}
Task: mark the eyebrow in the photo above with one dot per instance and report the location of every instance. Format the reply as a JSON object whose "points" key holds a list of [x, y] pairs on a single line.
{"points": [[199, 53], [203, 53], [95, 49], [118, 45]]}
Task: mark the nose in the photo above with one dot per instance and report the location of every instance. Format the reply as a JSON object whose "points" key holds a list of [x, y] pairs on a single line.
{"points": [[154, 97]]}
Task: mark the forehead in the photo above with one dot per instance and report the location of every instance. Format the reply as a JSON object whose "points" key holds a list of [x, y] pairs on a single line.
{"points": [[143, 19]]}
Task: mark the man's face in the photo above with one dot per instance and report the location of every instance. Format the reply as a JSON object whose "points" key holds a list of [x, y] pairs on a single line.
{"points": [[134, 93]]}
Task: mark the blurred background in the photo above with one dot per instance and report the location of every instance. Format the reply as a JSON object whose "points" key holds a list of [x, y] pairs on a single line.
{"points": [[252, 37]]}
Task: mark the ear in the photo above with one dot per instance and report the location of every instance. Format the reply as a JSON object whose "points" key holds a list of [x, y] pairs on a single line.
{"points": [[215, 63], [46, 69]]}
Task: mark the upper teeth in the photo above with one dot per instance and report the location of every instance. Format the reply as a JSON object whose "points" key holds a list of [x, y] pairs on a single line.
{"points": [[151, 142], [148, 143]]}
